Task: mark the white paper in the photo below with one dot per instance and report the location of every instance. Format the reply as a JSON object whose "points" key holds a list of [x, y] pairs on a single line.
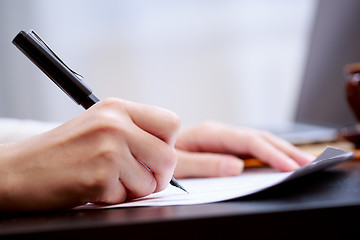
{"points": [[252, 180]]}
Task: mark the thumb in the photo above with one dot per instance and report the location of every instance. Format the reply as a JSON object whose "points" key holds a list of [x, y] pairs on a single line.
{"points": [[195, 164]]}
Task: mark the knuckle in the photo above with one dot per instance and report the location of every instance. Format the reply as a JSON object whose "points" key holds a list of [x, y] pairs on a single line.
{"points": [[254, 139], [266, 134], [98, 182], [106, 163], [210, 126], [112, 103], [112, 108], [101, 177], [102, 172], [109, 124], [105, 120], [172, 120], [253, 142], [108, 155]]}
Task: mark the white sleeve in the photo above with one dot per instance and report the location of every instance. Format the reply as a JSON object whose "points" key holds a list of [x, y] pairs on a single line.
{"points": [[12, 130]]}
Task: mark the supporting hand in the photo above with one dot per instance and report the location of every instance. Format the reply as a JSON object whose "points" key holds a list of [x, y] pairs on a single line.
{"points": [[213, 149]]}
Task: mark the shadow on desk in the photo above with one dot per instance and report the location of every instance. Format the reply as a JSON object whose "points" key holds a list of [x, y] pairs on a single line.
{"points": [[306, 189], [325, 204]]}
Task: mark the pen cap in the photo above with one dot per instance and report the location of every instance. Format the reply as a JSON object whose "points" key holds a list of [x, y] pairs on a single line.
{"points": [[54, 68]]}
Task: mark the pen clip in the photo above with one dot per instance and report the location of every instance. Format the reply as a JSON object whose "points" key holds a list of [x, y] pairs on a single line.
{"points": [[38, 38]]}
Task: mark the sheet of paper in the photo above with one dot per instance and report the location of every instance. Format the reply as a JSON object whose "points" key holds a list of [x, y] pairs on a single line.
{"points": [[252, 180]]}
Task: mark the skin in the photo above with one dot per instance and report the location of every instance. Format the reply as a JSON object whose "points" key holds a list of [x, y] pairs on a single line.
{"points": [[213, 149], [99, 157], [94, 157]]}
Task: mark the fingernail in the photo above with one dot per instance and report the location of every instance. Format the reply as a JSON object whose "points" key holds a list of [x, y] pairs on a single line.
{"points": [[310, 157], [290, 165], [232, 167]]}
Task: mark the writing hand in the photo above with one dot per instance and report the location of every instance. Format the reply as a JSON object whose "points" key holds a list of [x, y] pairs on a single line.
{"points": [[95, 157]]}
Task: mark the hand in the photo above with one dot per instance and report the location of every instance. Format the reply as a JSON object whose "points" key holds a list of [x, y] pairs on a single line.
{"points": [[95, 157], [214, 150]]}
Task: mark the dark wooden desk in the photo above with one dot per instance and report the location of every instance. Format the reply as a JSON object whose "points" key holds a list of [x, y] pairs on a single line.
{"points": [[326, 204]]}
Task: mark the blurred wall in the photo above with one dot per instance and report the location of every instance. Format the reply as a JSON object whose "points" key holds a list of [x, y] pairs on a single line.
{"points": [[235, 61]]}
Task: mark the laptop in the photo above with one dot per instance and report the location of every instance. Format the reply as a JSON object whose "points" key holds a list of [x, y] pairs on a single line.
{"points": [[322, 107]]}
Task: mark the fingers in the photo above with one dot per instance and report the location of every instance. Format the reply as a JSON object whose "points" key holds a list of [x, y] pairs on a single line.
{"points": [[159, 122], [274, 151], [268, 153], [290, 150], [195, 164], [95, 157], [155, 154], [137, 179], [220, 138], [157, 131], [148, 159], [150, 135], [156, 121]]}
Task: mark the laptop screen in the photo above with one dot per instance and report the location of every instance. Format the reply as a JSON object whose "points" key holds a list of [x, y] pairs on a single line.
{"points": [[335, 42]]}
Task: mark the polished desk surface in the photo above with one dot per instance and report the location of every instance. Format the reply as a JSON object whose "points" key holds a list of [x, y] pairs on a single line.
{"points": [[323, 204]]}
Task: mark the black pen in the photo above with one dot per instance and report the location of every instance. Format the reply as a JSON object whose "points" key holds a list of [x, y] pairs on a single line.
{"points": [[68, 80]]}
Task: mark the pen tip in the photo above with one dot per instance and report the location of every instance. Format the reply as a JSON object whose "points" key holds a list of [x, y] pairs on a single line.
{"points": [[175, 183]]}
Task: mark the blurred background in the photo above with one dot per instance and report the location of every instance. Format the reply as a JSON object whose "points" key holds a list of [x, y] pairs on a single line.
{"points": [[237, 61]]}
